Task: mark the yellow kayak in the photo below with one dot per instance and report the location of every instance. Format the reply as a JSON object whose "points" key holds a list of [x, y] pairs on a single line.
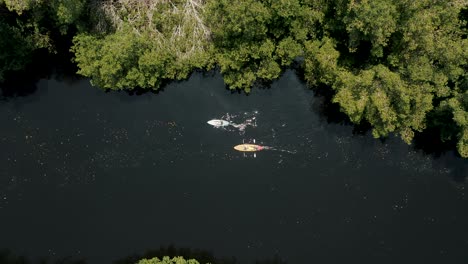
{"points": [[248, 147]]}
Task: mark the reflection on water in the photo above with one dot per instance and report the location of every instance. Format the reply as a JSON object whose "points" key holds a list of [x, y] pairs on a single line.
{"points": [[8, 257]]}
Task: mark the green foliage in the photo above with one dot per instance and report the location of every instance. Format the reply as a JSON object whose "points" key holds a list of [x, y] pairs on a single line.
{"points": [[18, 41], [39, 13], [321, 62], [14, 51], [430, 49], [168, 260], [254, 39], [457, 106], [389, 62], [19, 6], [110, 61], [371, 20], [143, 52], [387, 102], [67, 12], [400, 65], [28, 27]]}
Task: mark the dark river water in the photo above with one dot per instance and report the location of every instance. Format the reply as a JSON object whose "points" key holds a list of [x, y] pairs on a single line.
{"points": [[101, 176]]}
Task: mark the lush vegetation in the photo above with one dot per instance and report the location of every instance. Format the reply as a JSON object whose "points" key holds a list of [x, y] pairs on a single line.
{"points": [[168, 260], [255, 39], [29, 25], [399, 65], [142, 43]]}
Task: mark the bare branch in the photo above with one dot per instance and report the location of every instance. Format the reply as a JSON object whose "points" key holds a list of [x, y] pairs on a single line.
{"points": [[188, 35]]}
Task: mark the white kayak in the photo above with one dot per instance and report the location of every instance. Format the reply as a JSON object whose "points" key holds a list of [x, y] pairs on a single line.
{"points": [[218, 122]]}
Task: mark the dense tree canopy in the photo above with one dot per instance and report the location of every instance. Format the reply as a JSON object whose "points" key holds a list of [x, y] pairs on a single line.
{"points": [[15, 48], [27, 25], [255, 39], [400, 61], [399, 65], [141, 43]]}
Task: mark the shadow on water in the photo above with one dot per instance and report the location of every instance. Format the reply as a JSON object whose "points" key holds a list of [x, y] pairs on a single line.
{"points": [[330, 112], [23, 83], [127, 94], [429, 141], [202, 256], [7, 257], [43, 65], [274, 260]]}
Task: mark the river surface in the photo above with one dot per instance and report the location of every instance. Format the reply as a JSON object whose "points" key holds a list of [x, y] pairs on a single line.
{"points": [[103, 175]]}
